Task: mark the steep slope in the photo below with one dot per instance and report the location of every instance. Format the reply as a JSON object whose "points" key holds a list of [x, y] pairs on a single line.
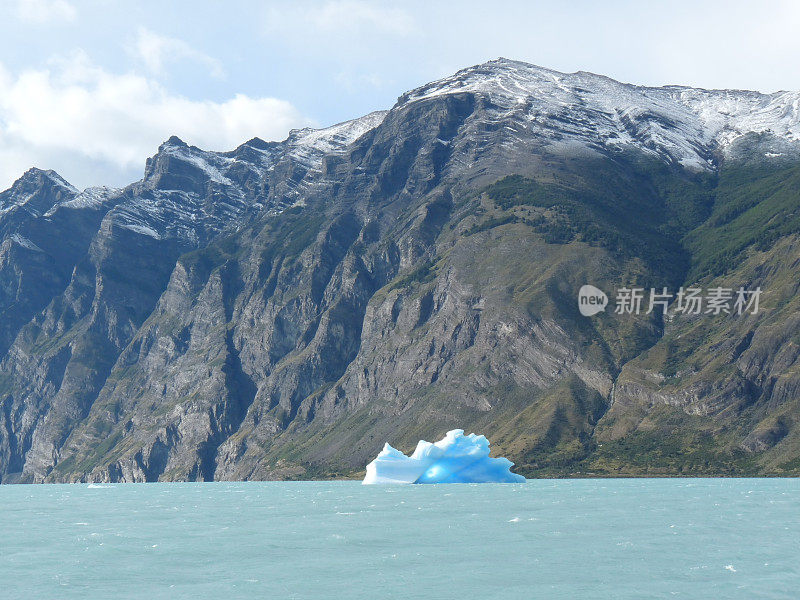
{"points": [[284, 309], [724, 388], [46, 228]]}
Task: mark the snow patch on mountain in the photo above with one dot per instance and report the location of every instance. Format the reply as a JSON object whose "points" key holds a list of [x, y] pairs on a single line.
{"points": [[213, 164], [143, 230], [308, 146], [177, 214], [89, 198], [24, 242]]}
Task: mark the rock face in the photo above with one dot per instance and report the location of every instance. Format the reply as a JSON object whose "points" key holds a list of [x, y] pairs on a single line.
{"points": [[281, 310]]}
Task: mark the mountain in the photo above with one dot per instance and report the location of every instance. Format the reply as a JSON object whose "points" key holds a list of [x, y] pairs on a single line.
{"points": [[283, 309]]}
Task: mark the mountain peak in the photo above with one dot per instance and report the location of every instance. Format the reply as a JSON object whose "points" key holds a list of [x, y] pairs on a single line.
{"points": [[45, 176], [257, 142], [35, 179], [510, 63], [175, 142], [37, 191]]}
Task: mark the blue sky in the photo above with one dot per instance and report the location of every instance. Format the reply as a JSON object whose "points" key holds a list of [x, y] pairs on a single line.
{"points": [[91, 87]]}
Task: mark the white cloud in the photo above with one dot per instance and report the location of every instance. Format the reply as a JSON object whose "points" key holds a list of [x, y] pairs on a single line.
{"points": [[348, 15], [346, 41], [339, 18], [73, 114], [355, 82], [42, 11], [156, 51]]}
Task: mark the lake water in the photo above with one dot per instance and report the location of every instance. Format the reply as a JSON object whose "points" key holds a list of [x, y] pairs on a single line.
{"points": [[634, 538]]}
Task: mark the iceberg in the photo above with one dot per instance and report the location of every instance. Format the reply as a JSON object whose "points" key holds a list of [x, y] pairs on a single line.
{"points": [[457, 458]]}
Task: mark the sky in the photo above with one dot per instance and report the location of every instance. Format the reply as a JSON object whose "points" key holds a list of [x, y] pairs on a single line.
{"points": [[90, 88]]}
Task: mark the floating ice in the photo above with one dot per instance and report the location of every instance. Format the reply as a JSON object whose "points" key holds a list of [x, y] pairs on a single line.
{"points": [[457, 458]]}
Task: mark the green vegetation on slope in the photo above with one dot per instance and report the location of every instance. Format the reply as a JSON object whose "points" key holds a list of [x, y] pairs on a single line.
{"points": [[753, 208]]}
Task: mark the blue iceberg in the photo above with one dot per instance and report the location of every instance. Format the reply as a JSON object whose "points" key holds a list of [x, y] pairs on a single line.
{"points": [[457, 458]]}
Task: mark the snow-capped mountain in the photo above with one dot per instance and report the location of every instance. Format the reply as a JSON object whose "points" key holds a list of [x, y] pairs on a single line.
{"points": [[687, 125], [193, 194]]}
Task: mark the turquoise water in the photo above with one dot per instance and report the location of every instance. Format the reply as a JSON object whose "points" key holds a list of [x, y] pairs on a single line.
{"points": [[636, 538]]}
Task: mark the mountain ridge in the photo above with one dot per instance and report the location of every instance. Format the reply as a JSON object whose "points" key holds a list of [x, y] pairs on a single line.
{"points": [[284, 308], [626, 111]]}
